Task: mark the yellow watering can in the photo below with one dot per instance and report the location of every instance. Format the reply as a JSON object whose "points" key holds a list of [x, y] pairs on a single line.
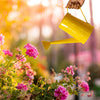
{"points": [[78, 29]]}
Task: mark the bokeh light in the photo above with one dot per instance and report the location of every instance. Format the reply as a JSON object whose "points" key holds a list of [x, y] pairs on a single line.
{"points": [[47, 31], [33, 33], [33, 2], [45, 3], [13, 15]]}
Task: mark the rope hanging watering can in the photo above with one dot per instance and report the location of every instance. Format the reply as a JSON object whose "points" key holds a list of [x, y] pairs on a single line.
{"points": [[78, 29]]}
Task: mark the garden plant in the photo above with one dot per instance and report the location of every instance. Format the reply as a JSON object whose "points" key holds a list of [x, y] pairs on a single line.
{"points": [[18, 81]]}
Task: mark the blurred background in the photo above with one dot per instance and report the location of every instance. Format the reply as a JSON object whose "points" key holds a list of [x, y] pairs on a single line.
{"points": [[31, 21]]}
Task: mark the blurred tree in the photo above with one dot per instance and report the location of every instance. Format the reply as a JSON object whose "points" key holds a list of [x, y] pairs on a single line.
{"points": [[92, 38]]}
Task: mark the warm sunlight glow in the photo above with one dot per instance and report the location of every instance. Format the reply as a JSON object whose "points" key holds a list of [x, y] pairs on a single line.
{"points": [[45, 3], [13, 15], [57, 14], [33, 2], [53, 2], [14, 7]]}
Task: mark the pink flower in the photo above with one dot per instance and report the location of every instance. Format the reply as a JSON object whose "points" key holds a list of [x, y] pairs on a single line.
{"points": [[17, 65], [30, 81], [20, 57], [31, 50], [61, 93], [1, 39], [30, 73], [70, 70], [27, 66], [2, 70], [21, 86], [7, 52], [18, 49], [84, 85]]}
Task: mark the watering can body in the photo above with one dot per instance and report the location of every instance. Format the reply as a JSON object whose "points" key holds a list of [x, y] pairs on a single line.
{"points": [[77, 28]]}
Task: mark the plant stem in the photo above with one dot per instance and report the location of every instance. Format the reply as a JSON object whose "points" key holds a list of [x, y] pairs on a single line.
{"points": [[20, 59]]}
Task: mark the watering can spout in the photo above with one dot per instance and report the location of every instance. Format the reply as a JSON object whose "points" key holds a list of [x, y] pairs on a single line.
{"points": [[46, 44]]}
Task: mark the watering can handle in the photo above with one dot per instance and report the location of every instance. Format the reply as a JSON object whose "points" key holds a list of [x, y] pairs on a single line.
{"points": [[82, 14]]}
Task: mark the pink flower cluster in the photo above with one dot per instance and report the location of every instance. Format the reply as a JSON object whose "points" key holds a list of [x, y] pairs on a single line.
{"points": [[27, 66], [61, 93], [1, 39], [21, 86], [84, 85], [7, 52], [20, 57], [29, 72], [70, 70], [17, 65], [31, 50]]}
